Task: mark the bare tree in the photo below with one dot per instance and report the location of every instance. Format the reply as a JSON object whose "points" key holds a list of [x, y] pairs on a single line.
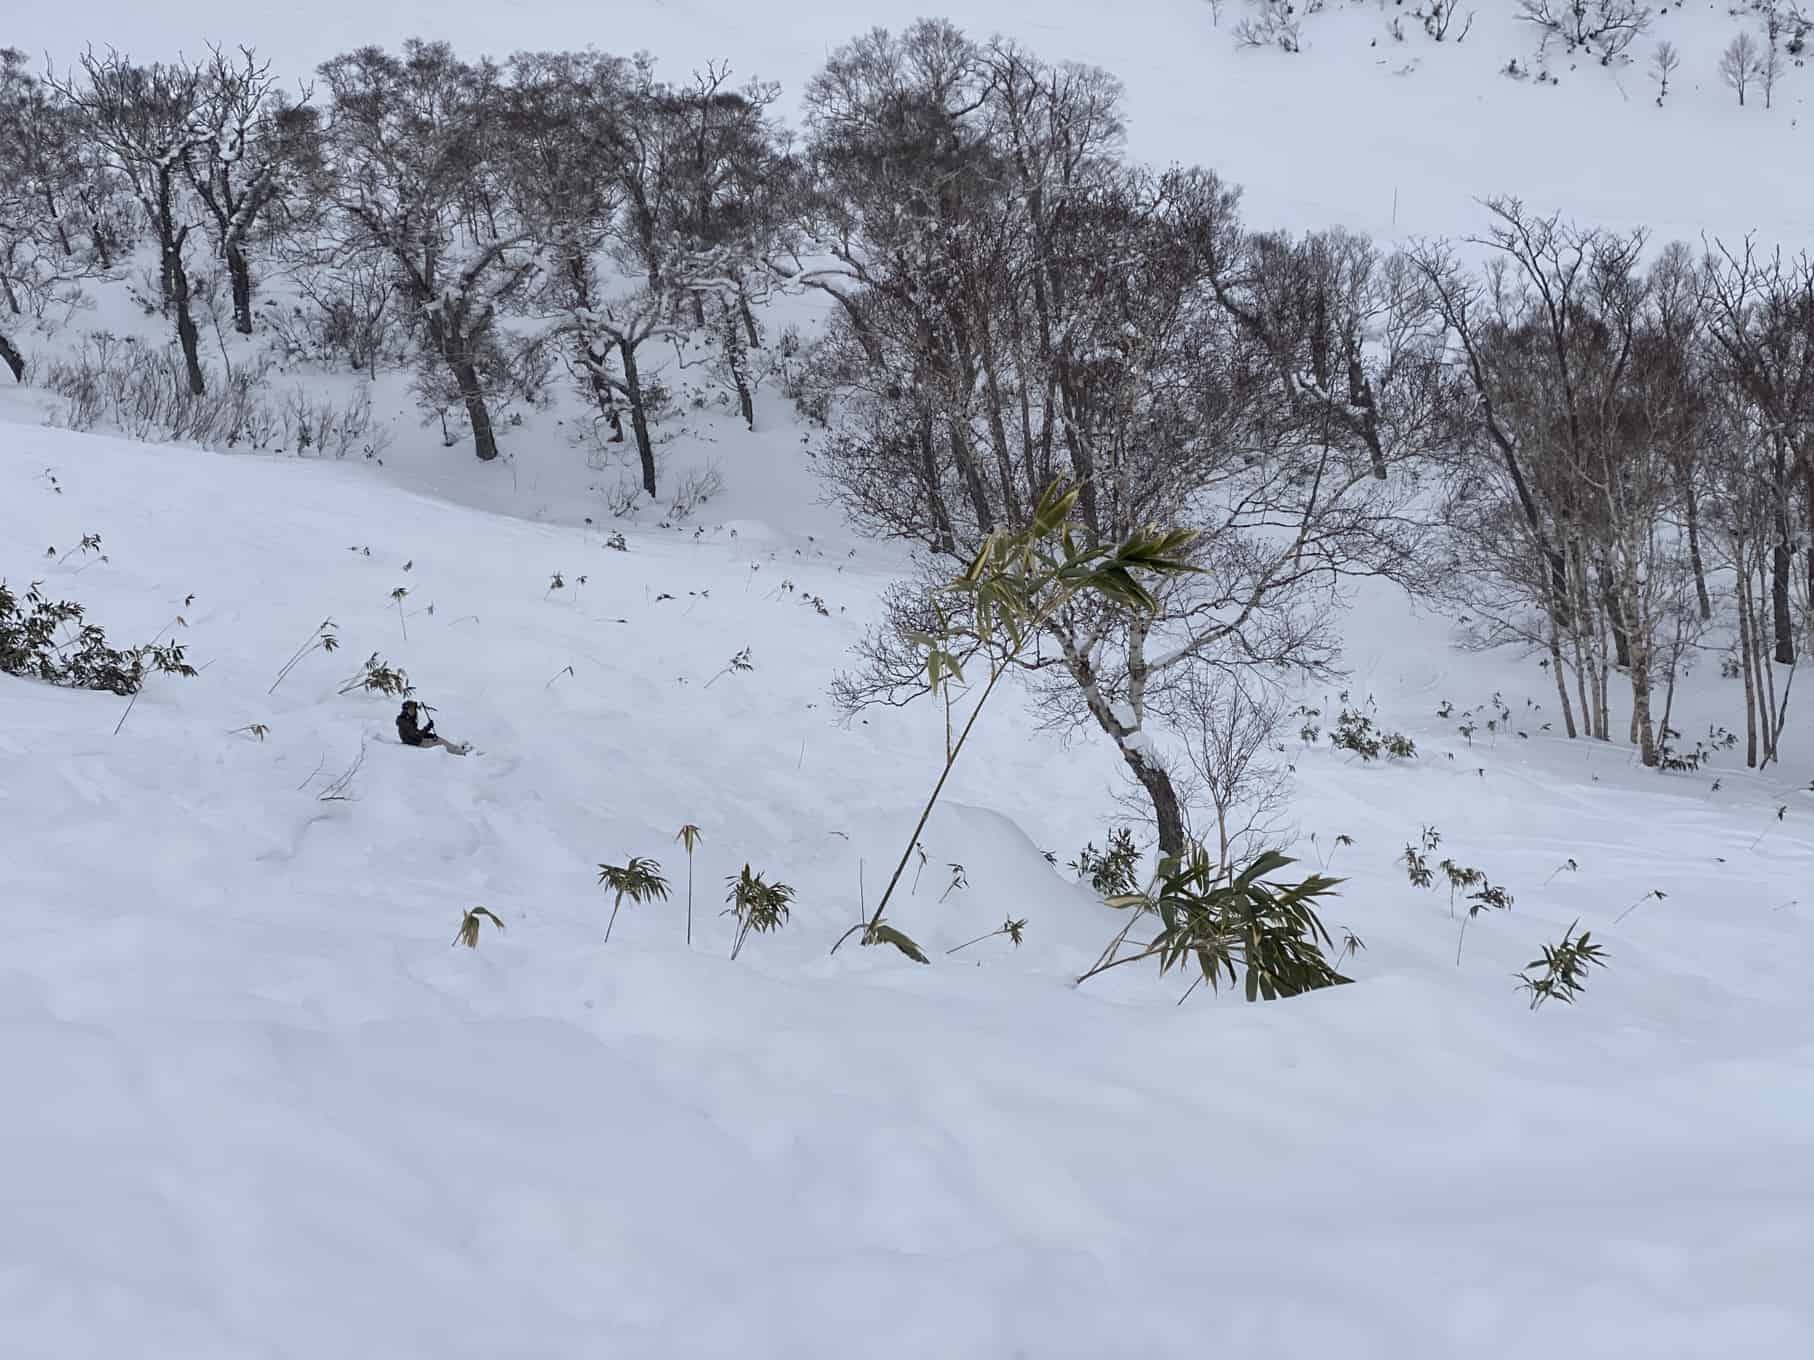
{"points": [[38, 152], [1740, 65], [1761, 319], [1769, 70], [1664, 62], [1604, 27], [250, 141], [38, 261], [732, 209], [145, 119], [413, 176], [1561, 504], [1018, 305], [1231, 720]]}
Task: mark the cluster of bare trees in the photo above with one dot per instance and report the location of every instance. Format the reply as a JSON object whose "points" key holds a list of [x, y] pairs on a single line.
{"points": [[1018, 303], [1641, 423], [1758, 63], [95, 159], [1598, 450], [1583, 444], [558, 206]]}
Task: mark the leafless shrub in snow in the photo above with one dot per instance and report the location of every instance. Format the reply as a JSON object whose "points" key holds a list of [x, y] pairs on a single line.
{"points": [[1439, 17], [324, 428], [1231, 721], [339, 789], [1605, 28], [1276, 25], [141, 391], [696, 488], [347, 314], [144, 392]]}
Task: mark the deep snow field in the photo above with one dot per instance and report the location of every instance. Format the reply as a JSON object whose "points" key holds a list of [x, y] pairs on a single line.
{"points": [[255, 1105]]}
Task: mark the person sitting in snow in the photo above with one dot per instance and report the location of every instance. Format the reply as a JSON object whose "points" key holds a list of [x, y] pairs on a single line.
{"points": [[414, 728]]}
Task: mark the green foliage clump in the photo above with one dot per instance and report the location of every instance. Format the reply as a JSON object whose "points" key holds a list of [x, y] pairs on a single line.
{"points": [[1231, 924], [52, 640], [758, 905], [637, 878], [1564, 965], [378, 676], [989, 615], [1113, 871], [1356, 732]]}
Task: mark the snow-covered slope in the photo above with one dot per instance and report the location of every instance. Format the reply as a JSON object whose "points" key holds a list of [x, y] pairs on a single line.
{"points": [[257, 1105]]}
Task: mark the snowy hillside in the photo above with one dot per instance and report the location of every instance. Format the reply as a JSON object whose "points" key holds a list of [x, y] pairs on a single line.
{"points": [[259, 1106], [261, 1103]]}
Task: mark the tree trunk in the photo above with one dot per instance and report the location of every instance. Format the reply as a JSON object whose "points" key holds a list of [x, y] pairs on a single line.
{"points": [[241, 273], [590, 360], [1167, 811], [946, 540], [749, 319], [186, 332], [50, 205], [1644, 726], [1782, 617], [998, 431], [169, 240], [9, 354], [973, 478], [97, 231], [1083, 468], [735, 361], [1745, 664], [1615, 618], [639, 418], [1694, 552], [1555, 661], [1808, 552], [478, 415], [1766, 699]]}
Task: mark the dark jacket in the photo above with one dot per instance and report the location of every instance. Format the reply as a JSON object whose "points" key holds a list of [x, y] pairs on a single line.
{"points": [[409, 733]]}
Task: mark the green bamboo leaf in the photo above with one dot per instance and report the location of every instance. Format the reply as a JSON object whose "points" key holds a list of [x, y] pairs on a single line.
{"points": [[1122, 901], [1053, 509], [883, 933]]}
